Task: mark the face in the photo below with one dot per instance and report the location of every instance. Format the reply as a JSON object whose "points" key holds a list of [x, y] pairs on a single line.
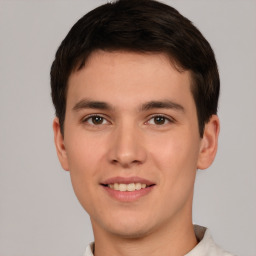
{"points": [[131, 142]]}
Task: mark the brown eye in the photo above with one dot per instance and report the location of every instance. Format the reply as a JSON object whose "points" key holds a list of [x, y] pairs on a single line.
{"points": [[159, 120], [95, 120]]}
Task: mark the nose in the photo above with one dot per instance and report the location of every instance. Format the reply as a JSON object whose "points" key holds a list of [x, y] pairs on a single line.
{"points": [[126, 147]]}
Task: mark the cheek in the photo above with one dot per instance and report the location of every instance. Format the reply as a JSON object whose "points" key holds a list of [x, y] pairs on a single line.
{"points": [[83, 152], [171, 152], [176, 161], [84, 159]]}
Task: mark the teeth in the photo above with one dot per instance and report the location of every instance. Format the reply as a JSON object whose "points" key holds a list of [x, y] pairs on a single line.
{"points": [[130, 187], [137, 186], [122, 187], [127, 187]]}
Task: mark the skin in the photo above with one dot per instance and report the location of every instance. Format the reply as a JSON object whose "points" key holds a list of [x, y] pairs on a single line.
{"points": [[128, 141]]}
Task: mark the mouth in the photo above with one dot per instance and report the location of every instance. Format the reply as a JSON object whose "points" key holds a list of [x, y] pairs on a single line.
{"points": [[127, 189], [130, 187]]}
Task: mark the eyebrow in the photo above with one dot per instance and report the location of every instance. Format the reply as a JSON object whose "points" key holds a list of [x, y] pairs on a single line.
{"points": [[89, 104], [161, 104], [85, 103]]}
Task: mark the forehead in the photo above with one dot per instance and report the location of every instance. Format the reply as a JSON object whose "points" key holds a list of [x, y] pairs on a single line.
{"points": [[122, 76], [125, 57]]}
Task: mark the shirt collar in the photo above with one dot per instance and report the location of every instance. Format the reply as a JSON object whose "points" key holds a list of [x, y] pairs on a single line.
{"points": [[205, 246]]}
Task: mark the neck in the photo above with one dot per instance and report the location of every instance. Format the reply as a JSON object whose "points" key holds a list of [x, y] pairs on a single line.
{"points": [[175, 238]]}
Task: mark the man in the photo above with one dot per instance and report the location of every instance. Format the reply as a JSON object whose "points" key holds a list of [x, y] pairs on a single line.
{"points": [[135, 86]]}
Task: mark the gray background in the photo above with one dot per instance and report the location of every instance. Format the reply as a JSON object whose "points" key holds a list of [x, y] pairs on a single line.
{"points": [[39, 214]]}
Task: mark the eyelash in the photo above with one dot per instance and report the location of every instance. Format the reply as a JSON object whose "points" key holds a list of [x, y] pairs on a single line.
{"points": [[168, 119], [85, 120]]}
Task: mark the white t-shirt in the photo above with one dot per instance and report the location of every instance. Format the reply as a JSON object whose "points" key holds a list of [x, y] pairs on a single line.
{"points": [[205, 247]]}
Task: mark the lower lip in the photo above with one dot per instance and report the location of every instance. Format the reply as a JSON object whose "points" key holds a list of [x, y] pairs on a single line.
{"points": [[128, 196]]}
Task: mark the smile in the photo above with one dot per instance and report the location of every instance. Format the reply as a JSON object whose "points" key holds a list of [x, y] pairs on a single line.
{"points": [[127, 187]]}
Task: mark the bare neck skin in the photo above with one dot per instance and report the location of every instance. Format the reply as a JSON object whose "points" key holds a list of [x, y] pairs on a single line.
{"points": [[175, 237]]}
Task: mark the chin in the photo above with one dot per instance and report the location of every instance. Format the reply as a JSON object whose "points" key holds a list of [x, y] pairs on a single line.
{"points": [[131, 228], [131, 232]]}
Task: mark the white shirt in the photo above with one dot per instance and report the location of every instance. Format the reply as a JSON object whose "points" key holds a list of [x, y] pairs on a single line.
{"points": [[205, 247]]}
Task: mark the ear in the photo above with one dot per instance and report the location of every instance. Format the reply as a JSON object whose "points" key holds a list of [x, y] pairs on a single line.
{"points": [[209, 143], [59, 144]]}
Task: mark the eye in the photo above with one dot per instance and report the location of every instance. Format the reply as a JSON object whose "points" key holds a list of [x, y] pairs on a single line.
{"points": [[159, 120], [95, 120]]}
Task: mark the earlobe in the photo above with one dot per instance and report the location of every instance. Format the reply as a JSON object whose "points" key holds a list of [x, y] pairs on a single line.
{"points": [[59, 144], [209, 143]]}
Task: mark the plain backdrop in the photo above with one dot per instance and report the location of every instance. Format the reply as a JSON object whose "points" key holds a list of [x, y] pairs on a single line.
{"points": [[39, 213]]}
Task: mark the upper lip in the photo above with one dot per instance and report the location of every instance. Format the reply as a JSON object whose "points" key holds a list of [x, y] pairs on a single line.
{"points": [[127, 180]]}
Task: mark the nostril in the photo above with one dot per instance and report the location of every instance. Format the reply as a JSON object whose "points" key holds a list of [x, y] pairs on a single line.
{"points": [[114, 161]]}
